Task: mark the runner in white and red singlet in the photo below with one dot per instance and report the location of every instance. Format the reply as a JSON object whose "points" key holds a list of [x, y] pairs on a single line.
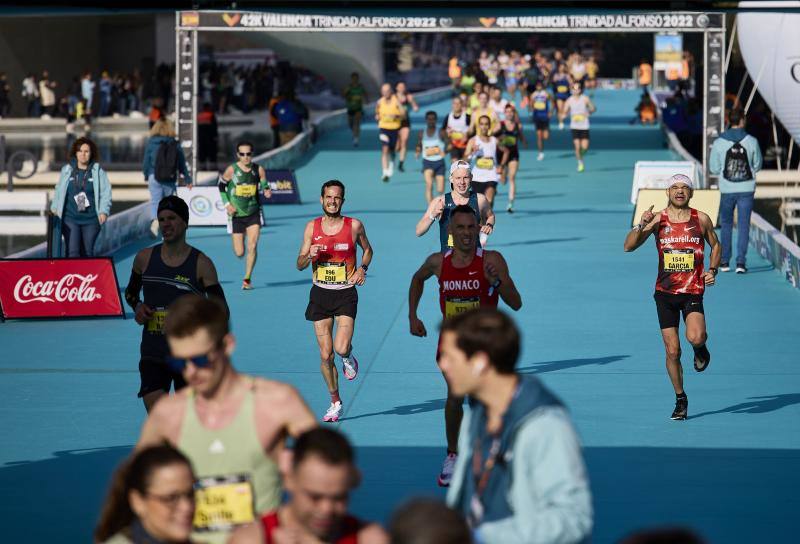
{"points": [[681, 233], [469, 278], [329, 245]]}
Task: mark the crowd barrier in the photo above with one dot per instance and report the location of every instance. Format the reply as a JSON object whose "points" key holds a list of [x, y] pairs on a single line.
{"points": [[768, 241], [134, 224]]}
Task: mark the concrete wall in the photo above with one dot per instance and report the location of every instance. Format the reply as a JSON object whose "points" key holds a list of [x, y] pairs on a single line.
{"points": [[66, 45], [333, 55]]}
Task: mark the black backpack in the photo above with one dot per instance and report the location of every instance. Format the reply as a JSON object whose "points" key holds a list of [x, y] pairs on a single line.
{"points": [[166, 168], [737, 165]]}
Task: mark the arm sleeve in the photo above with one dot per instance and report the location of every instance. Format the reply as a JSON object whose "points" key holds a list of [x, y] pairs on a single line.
{"points": [[146, 160], [132, 290], [223, 190], [756, 160], [215, 291], [550, 491], [105, 193]]}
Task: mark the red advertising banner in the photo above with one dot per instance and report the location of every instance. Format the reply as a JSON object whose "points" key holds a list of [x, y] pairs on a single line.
{"points": [[59, 288]]}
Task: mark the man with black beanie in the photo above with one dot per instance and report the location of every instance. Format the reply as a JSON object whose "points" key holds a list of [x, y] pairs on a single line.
{"points": [[166, 271]]}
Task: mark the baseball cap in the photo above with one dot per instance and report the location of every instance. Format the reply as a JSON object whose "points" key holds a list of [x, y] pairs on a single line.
{"points": [[176, 205], [680, 178], [460, 164]]}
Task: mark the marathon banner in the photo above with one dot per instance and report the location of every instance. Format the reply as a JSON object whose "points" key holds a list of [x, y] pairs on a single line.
{"points": [[241, 20], [283, 186], [56, 288], [714, 96]]}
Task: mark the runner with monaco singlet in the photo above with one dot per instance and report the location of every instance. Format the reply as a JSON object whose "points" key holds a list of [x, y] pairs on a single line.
{"points": [[329, 245], [680, 232], [469, 278]]}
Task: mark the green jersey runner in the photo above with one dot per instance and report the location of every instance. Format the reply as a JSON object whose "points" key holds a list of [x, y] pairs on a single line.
{"points": [[242, 191], [239, 187], [354, 96]]}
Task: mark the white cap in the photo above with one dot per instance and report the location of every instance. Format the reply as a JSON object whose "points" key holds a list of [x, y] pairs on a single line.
{"points": [[460, 164], [680, 178]]}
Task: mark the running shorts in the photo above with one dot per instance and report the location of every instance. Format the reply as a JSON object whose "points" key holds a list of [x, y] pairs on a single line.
{"points": [[542, 124], [513, 154], [388, 137], [436, 166], [670, 307], [580, 134], [327, 303], [405, 123], [481, 186], [240, 224], [157, 376]]}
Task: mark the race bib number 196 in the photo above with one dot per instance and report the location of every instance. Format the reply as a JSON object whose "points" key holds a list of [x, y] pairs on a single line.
{"points": [[331, 273], [678, 260]]}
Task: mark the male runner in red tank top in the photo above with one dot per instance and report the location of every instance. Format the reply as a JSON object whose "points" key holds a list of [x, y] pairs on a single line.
{"points": [[680, 236], [319, 481], [469, 278], [329, 245]]}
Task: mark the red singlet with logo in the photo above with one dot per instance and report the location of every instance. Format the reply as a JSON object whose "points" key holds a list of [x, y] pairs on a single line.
{"points": [[680, 256], [337, 260], [464, 289], [349, 533]]}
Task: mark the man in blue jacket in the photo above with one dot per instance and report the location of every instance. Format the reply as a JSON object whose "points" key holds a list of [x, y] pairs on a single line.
{"points": [[520, 475], [735, 157]]}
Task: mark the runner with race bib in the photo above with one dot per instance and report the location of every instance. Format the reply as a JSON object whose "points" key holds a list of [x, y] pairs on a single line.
{"points": [[680, 236], [469, 278], [579, 107]]}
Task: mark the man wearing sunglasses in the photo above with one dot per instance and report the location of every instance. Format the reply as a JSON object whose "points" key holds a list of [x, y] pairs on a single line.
{"points": [[239, 187], [166, 272], [232, 427]]}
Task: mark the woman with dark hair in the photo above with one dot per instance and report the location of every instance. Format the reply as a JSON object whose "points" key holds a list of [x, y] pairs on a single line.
{"points": [[82, 199], [151, 499]]}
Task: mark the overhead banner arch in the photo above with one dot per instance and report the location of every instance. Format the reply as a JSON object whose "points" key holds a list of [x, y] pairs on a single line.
{"points": [[189, 23]]}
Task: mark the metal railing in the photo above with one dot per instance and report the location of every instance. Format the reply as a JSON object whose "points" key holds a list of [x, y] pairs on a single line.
{"points": [[15, 164]]}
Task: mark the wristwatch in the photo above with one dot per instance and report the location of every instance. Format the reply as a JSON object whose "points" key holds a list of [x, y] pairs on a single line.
{"points": [[364, 268], [713, 270]]}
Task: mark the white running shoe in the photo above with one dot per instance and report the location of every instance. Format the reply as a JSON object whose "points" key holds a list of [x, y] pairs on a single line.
{"points": [[540, 156], [333, 413], [350, 367], [390, 170], [448, 467]]}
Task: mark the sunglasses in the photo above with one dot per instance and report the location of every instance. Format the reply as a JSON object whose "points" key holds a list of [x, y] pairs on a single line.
{"points": [[245, 154], [177, 364]]}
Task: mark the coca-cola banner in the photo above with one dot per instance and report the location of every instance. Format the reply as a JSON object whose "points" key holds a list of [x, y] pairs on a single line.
{"points": [[59, 288]]}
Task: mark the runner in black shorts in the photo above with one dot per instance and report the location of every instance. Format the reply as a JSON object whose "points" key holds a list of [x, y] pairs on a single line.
{"points": [[329, 245], [166, 271]]}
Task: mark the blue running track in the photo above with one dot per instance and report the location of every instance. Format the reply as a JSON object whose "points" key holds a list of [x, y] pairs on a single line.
{"points": [[732, 471]]}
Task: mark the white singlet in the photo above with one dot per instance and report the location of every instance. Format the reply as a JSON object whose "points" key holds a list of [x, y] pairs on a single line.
{"points": [[485, 168]]}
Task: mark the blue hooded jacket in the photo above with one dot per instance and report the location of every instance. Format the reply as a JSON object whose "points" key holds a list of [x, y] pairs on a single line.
{"points": [[716, 159]]}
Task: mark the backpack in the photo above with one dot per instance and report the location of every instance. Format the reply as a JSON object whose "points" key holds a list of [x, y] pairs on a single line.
{"points": [[287, 114], [166, 167], [737, 165]]}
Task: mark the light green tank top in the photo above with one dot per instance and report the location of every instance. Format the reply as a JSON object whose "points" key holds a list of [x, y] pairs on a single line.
{"points": [[233, 472]]}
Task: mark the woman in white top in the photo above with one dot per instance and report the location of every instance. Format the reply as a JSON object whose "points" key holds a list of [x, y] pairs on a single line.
{"points": [[483, 149], [579, 107]]}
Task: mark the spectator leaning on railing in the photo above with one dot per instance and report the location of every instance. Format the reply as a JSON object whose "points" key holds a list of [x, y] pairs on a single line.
{"points": [[82, 199], [163, 160], [735, 157]]}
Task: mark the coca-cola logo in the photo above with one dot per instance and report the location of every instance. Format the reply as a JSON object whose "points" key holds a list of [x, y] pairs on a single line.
{"points": [[70, 288]]}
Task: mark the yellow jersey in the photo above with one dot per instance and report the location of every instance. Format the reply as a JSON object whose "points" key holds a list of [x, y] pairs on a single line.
{"points": [[390, 113]]}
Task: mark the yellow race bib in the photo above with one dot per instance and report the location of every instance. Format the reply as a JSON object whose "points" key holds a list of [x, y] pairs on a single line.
{"points": [[578, 117], [155, 325], [455, 136], [431, 151], [562, 88], [485, 163], [678, 260], [223, 503], [331, 273], [245, 190], [509, 141], [539, 105], [453, 306]]}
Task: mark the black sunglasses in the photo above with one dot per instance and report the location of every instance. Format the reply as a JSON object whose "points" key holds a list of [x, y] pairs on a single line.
{"points": [[246, 154], [177, 364]]}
